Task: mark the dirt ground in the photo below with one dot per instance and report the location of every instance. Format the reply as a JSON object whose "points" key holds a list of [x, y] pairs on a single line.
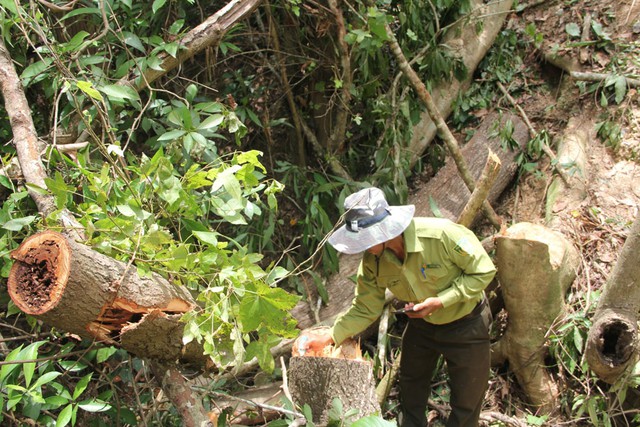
{"points": [[598, 222]]}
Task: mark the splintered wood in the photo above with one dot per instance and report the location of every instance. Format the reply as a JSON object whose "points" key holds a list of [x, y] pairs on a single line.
{"points": [[78, 290]]}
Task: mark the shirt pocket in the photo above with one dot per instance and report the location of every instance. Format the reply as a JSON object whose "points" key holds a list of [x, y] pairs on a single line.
{"points": [[435, 275], [397, 287]]}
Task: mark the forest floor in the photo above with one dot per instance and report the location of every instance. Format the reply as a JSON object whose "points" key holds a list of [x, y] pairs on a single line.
{"points": [[595, 37], [613, 159]]}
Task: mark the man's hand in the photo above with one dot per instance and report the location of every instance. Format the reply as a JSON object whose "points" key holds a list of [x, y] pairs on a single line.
{"points": [[424, 309], [313, 343]]}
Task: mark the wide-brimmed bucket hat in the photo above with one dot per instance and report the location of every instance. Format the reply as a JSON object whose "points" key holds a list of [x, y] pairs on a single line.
{"points": [[369, 220]]}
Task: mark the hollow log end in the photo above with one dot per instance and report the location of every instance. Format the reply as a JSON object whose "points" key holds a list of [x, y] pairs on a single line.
{"points": [[615, 341], [40, 272]]}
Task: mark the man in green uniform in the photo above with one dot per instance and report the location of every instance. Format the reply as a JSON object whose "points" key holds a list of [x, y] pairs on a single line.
{"points": [[440, 270]]}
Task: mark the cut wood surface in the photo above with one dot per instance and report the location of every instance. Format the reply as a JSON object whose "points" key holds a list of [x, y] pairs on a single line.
{"points": [[78, 290], [447, 191]]}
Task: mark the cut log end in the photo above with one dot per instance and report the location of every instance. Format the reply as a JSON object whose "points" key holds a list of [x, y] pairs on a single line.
{"points": [[40, 272], [616, 344]]}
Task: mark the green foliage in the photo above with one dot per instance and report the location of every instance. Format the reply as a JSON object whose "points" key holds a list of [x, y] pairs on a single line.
{"points": [[35, 387], [610, 132], [324, 196], [162, 186]]}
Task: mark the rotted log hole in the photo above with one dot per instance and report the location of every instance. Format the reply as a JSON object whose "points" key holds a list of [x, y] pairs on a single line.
{"points": [[617, 344], [36, 275]]}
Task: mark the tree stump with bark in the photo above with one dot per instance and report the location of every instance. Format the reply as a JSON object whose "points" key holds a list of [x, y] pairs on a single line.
{"points": [[78, 290], [536, 266], [316, 378]]}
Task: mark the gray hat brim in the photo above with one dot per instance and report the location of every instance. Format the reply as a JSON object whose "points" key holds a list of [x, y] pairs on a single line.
{"points": [[350, 242]]}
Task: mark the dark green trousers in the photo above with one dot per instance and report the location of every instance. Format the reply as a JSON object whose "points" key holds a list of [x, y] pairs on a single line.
{"points": [[465, 346]]}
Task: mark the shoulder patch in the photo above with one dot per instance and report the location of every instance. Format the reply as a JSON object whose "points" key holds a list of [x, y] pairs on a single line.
{"points": [[464, 247]]}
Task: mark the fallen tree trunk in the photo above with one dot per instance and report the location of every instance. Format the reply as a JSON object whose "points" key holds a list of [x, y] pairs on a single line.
{"points": [[445, 192], [536, 266], [78, 290], [612, 343], [474, 47], [562, 197]]}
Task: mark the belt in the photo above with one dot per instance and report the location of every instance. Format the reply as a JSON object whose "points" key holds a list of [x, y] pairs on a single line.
{"points": [[475, 312]]}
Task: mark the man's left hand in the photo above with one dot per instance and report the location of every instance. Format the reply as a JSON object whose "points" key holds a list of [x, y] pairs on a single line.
{"points": [[423, 309]]}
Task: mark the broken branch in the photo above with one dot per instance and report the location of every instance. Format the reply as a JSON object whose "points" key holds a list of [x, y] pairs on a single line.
{"points": [[479, 195]]}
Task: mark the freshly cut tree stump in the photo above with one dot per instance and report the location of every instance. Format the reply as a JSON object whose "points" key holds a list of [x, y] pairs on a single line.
{"points": [[536, 266], [317, 381], [78, 290], [318, 376]]}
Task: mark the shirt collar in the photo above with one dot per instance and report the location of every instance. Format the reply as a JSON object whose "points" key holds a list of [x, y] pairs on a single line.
{"points": [[411, 241]]}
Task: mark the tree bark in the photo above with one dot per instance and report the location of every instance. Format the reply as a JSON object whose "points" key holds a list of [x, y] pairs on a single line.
{"points": [[179, 392], [446, 190], [316, 381], [25, 140], [78, 290], [612, 343], [563, 196], [195, 41], [536, 266]]}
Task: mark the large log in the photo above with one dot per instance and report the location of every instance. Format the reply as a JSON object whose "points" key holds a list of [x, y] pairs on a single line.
{"points": [[446, 190], [78, 290], [536, 266], [612, 343]]}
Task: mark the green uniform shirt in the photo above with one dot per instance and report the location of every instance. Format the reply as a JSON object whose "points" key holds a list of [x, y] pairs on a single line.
{"points": [[442, 259]]}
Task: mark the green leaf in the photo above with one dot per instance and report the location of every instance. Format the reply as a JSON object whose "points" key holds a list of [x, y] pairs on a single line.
{"points": [[213, 121], [18, 224], [572, 29], [266, 307], [34, 70], [157, 5], [172, 135], [132, 40], [65, 416], [46, 378], [75, 42], [7, 369], [94, 405], [120, 92], [434, 208], [10, 5], [105, 353], [308, 414], [621, 88], [88, 89], [82, 385], [30, 353], [208, 237]]}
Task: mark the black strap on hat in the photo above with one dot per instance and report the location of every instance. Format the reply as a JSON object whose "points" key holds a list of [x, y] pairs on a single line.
{"points": [[355, 223]]}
